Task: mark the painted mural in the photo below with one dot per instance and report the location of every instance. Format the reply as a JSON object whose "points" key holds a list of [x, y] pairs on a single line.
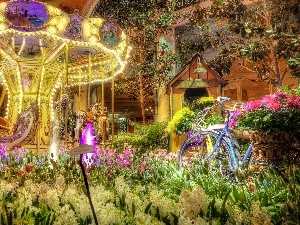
{"points": [[26, 14], [110, 34]]}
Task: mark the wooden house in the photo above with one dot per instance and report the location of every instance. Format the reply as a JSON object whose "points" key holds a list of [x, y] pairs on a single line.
{"points": [[196, 79]]}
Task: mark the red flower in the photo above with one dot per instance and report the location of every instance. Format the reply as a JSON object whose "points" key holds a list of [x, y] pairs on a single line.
{"points": [[29, 167], [21, 173], [142, 167]]}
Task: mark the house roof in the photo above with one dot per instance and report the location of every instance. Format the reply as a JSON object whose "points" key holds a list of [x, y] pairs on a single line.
{"points": [[187, 65]]}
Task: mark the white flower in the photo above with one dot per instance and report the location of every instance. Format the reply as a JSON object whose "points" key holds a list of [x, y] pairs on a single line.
{"points": [[33, 189], [165, 205], [121, 186], [260, 215], [6, 187], [109, 214], [79, 201], [142, 219], [51, 199], [65, 216], [100, 195], [193, 201]]}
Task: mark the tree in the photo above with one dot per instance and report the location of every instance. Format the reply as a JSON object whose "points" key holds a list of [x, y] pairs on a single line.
{"points": [[151, 61], [262, 33]]}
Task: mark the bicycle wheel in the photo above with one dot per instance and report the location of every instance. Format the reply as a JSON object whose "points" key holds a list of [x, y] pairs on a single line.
{"points": [[191, 149], [219, 158]]}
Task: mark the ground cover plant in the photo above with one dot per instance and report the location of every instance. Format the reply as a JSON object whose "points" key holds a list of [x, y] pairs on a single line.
{"points": [[137, 188]]}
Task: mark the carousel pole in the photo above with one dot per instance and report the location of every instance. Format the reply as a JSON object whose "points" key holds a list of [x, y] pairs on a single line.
{"points": [[66, 91], [38, 141], [102, 108], [89, 83], [61, 90], [79, 85], [113, 104], [102, 91]]}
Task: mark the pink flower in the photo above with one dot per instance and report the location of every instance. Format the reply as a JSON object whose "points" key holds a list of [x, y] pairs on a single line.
{"points": [[268, 98], [232, 123], [293, 102], [281, 95], [274, 105], [236, 113], [253, 105]]}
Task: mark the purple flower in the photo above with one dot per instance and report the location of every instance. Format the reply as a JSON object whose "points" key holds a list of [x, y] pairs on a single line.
{"points": [[3, 152], [120, 160]]}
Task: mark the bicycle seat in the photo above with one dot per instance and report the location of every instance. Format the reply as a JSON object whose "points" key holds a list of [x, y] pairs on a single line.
{"points": [[215, 127]]}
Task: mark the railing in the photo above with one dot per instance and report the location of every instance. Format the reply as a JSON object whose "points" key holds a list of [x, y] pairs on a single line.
{"points": [[180, 4]]}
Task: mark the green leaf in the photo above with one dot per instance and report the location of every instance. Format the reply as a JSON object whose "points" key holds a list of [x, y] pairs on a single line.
{"points": [[147, 208], [133, 209], [175, 217]]}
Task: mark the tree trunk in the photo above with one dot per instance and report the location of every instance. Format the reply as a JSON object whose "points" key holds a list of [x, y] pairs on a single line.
{"points": [[278, 78], [142, 99]]}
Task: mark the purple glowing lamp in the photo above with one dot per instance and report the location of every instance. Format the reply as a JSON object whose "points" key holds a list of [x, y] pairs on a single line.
{"points": [[88, 137]]}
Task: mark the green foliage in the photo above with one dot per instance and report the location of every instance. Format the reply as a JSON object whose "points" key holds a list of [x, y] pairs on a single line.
{"points": [[294, 91], [146, 137], [214, 118], [151, 61], [182, 121], [238, 31]]}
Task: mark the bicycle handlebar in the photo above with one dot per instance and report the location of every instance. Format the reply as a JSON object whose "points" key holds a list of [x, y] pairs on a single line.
{"points": [[219, 102], [223, 99]]}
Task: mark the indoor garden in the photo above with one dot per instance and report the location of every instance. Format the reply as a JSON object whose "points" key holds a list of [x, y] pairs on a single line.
{"points": [[178, 112]]}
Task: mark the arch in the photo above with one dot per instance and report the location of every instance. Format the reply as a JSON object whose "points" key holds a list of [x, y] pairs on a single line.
{"points": [[192, 94]]}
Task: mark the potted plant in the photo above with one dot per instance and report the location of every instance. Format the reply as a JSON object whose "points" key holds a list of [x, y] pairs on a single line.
{"points": [[272, 123], [182, 121]]}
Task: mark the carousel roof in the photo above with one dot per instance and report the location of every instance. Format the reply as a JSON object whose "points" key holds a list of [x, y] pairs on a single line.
{"points": [[31, 30]]}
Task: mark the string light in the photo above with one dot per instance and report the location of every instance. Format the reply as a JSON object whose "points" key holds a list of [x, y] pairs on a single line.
{"points": [[53, 34], [8, 93]]}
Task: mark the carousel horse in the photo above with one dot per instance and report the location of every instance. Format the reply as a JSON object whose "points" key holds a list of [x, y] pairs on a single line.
{"points": [[80, 120], [101, 122], [24, 129]]}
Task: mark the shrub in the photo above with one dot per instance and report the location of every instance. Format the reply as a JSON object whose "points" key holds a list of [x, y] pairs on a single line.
{"points": [[146, 137]]}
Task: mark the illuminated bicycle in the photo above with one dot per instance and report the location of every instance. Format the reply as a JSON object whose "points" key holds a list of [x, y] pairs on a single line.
{"points": [[215, 144]]}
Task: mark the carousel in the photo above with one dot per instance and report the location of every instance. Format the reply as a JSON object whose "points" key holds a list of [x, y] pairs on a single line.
{"points": [[44, 54]]}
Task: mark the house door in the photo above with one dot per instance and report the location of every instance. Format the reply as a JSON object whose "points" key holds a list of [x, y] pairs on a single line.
{"points": [[192, 94]]}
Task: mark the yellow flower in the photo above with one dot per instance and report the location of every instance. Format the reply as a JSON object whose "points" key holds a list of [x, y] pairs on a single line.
{"points": [[205, 101], [178, 118]]}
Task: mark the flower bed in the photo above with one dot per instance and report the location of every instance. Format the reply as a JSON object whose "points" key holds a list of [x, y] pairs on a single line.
{"points": [[134, 188], [273, 113]]}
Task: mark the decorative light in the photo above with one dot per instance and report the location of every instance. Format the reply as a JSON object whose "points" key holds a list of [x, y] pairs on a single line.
{"points": [[8, 93], [54, 35]]}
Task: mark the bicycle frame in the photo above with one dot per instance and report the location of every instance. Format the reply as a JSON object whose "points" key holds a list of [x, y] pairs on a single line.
{"points": [[224, 134]]}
